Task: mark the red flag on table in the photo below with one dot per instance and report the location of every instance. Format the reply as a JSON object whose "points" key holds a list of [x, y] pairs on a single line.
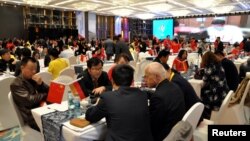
{"points": [[76, 89], [56, 91]]}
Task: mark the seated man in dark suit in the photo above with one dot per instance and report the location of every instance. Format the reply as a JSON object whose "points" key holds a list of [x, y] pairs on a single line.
{"points": [[125, 109], [167, 105], [190, 95], [94, 80], [28, 91], [6, 61], [162, 57]]}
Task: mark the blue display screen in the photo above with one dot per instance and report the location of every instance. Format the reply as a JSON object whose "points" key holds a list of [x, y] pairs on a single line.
{"points": [[162, 28]]}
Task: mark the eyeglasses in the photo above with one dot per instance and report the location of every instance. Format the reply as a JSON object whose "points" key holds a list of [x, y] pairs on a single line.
{"points": [[96, 69]]}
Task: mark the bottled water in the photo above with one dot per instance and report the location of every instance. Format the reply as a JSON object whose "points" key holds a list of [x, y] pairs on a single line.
{"points": [[190, 71], [77, 106], [71, 105]]}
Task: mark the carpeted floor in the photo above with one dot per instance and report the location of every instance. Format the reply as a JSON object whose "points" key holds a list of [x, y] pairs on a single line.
{"points": [[12, 134]]}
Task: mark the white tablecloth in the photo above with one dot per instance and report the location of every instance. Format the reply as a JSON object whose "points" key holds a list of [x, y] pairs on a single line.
{"points": [[6, 76], [197, 85], [238, 62], [96, 131]]}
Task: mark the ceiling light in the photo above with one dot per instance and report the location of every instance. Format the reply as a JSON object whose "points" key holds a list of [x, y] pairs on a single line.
{"points": [[158, 7], [147, 2], [37, 2], [205, 3], [63, 2], [145, 16], [84, 6], [122, 12], [179, 12], [222, 9]]}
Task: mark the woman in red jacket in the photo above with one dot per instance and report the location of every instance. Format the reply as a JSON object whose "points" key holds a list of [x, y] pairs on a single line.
{"points": [[180, 62]]}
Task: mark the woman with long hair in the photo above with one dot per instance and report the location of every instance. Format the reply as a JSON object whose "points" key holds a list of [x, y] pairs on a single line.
{"points": [[215, 86], [180, 62]]}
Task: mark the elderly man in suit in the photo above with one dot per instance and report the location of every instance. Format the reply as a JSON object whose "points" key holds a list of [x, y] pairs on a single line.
{"points": [[167, 105]]}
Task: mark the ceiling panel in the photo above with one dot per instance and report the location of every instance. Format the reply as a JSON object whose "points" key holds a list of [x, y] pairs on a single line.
{"points": [[143, 8]]}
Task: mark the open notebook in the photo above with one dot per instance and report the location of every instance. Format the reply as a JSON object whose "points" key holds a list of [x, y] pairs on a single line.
{"points": [[57, 89]]}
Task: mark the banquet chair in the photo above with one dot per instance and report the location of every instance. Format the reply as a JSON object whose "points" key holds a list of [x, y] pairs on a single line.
{"points": [[217, 116], [193, 114], [106, 67], [46, 77], [200, 133], [182, 131], [64, 79], [72, 60], [141, 67], [68, 72], [132, 64], [7, 118], [27, 133]]}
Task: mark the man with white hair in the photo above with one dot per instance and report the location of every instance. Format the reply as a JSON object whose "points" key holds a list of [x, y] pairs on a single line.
{"points": [[167, 105]]}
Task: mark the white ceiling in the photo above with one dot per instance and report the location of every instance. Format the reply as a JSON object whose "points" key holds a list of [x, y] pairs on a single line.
{"points": [[144, 9]]}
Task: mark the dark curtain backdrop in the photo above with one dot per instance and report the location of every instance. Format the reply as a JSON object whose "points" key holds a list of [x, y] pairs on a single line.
{"points": [[11, 22]]}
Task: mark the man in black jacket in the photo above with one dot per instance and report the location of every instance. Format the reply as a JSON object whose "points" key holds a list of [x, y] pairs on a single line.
{"points": [[28, 91], [93, 79], [6, 61], [167, 105], [190, 95], [122, 47], [162, 57], [125, 109], [230, 69]]}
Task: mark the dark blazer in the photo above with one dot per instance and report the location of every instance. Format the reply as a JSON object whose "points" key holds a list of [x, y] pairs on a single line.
{"points": [[3, 65], [28, 95], [126, 112], [122, 47], [190, 95], [231, 73], [220, 46], [167, 107], [87, 84]]}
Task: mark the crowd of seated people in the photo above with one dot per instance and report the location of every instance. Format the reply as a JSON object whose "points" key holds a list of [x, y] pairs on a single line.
{"points": [[112, 92]]}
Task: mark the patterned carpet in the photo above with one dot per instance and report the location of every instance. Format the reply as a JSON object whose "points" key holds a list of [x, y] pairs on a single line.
{"points": [[12, 134]]}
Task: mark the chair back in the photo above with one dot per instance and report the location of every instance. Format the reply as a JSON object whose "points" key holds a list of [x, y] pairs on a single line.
{"points": [[72, 60], [193, 114], [27, 133], [17, 112], [141, 67], [133, 64], [216, 116], [46, 77], [68, 72], [65, 80], [106, 67], [182, 131], [7, 118]]}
